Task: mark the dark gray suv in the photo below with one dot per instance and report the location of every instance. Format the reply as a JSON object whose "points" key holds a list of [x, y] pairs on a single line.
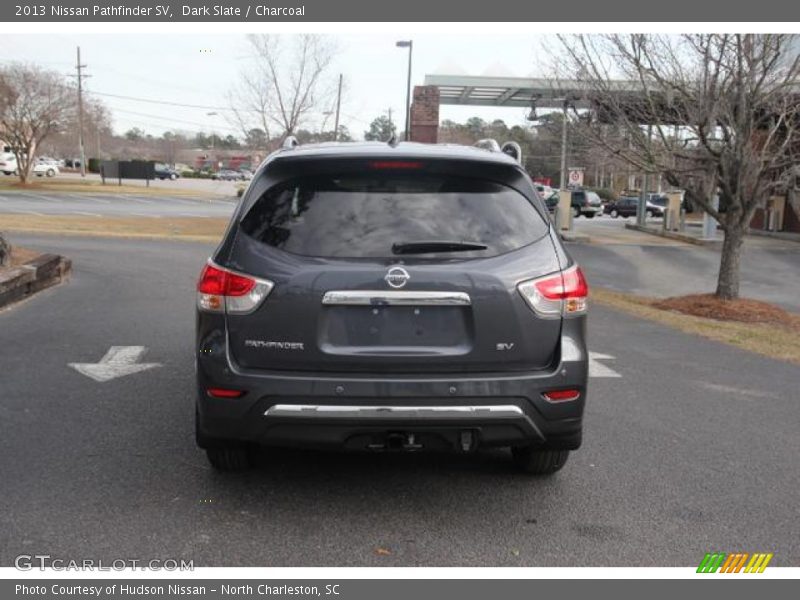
{"points": [[372, 296]]}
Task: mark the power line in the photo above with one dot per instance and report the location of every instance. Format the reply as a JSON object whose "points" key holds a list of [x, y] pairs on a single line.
{"points": [[169, 103], [172, 120]]}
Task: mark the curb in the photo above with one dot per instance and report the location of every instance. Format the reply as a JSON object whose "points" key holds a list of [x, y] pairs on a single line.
{"points": [[775, 235], [569, 236], [681, 237], [35, 275]]}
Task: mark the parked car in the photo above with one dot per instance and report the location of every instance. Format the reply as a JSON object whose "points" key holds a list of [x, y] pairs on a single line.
{"points": [[163, 171], [227, 175], [586, 203], [552, 200], [48, 170], [246, 174], [8, 166], [628, 206], [391, 297]]}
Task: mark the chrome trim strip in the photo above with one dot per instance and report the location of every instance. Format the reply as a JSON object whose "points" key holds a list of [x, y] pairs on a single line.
{"points": [[395, 412], [403, 298]]}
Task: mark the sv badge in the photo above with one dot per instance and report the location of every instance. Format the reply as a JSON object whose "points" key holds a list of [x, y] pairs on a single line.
{"points": [[504, 346]]}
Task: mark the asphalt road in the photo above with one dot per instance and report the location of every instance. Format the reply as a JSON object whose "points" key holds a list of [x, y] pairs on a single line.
{"points": [[113, 205], [692, 449]]}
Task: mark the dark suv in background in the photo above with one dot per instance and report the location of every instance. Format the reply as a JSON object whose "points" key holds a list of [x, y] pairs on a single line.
{"points": [[373, 296], [586, 203]]}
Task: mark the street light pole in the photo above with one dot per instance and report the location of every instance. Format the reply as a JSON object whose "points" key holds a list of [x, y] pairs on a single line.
{"points": [[211, 114], [410, 45], [338, 106]]}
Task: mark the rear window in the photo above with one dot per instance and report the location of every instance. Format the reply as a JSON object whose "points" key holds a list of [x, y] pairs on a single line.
{"points": [[365, 215]]}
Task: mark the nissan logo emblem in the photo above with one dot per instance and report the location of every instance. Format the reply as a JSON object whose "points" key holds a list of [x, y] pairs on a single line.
{"points": [[397, 277]]}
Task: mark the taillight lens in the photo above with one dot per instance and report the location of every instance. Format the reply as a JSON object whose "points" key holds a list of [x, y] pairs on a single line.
{"points": [[564, 293], [562, 395], [224, 393], [223, 290], [383, 165]]}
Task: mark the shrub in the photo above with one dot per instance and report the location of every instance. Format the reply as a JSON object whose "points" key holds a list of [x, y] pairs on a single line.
{"points": [[604, 193]]}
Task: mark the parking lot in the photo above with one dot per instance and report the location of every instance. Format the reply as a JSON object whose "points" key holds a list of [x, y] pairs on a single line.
{"points": [[41, 203], [689, 444]]}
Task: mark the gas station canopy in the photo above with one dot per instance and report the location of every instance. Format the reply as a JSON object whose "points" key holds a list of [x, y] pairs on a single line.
{"points": [[515, 91]]}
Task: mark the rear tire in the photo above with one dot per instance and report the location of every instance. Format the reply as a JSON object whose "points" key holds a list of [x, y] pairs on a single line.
{"points": [[229, 457], [224, 455], [50, 173], [614, 214], [590, 215], [538, 461]]}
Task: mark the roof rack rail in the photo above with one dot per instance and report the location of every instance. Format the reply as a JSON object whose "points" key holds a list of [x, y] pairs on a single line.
{"points": [[513, 149], [290, 142], [488, 144], [510, 148]]}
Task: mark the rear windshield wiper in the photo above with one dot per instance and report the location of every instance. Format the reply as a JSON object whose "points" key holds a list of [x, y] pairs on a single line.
{"points": [[435, 246]]}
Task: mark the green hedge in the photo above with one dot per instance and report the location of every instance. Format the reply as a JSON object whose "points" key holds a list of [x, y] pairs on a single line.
{"points": [[196, 174]]}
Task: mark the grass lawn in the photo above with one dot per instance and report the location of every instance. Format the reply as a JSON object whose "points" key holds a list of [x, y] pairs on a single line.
{"points": [[195, 229], [56, 184], [748, 324]]}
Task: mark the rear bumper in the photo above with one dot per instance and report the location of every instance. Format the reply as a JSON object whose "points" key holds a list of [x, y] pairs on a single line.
{"points": [[362, 411]]}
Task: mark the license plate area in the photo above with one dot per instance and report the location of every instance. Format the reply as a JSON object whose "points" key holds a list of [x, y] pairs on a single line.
{"points": [[396, 330]]}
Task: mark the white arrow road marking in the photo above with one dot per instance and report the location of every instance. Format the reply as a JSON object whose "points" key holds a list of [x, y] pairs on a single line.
{"points": [[598, 369], [118, 362]]}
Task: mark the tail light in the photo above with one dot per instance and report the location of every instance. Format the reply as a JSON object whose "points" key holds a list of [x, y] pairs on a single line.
{"points": [[562, 395], [224, 393], [223, 290], [559, 294], [382, 165]]}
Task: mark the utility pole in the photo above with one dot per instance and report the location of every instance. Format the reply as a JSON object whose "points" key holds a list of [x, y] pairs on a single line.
{"points": [[338, 106], [81, 76]]}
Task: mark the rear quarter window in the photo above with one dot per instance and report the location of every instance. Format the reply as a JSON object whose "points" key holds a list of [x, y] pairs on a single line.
{"points": [[362, 215]]}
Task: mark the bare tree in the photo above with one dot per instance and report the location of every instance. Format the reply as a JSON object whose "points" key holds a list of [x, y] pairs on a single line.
{"points": [[714, 114], [33, 105], [286, 83]]}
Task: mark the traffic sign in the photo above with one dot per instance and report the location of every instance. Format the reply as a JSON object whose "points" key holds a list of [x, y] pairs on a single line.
{"points": [[575, 178]]}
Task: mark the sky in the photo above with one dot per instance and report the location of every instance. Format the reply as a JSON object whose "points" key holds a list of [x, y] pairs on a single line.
{"points": [[200, 70]]}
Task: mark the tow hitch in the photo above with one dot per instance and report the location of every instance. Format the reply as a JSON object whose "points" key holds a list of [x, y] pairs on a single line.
{"points": [[397, 441]]}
